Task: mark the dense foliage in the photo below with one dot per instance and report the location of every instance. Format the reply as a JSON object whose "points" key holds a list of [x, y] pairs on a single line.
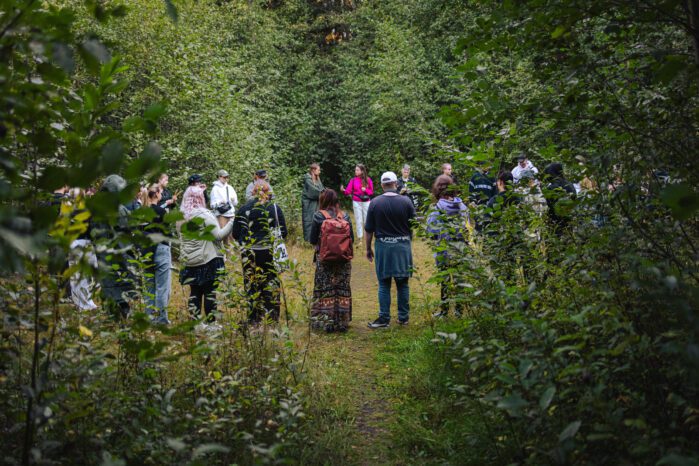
{"points": [[580, 343]]}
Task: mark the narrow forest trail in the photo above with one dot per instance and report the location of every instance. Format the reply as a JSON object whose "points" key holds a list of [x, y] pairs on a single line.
{"points": [[346, 369]]}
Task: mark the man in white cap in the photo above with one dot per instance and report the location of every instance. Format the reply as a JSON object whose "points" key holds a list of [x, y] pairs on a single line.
{"points": [[223, 199], [389, 220]]}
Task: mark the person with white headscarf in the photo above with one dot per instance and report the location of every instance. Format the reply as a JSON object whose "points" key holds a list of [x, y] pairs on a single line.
{"points": [[202, 258]]}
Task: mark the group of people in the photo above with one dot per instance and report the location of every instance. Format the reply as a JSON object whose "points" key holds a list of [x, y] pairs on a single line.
{"points": [[251, 225], [387, 221], [383, 224]]}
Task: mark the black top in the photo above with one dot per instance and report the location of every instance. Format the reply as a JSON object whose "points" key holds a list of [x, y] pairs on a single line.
{"points": [[481, 188], [504, 199], [254, 220], [408, 192], [389, 216], [557, 189], [318, 220], [166, 195]]}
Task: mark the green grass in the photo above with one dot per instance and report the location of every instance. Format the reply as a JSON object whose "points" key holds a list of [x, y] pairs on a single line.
{"points": [[428, 426]]}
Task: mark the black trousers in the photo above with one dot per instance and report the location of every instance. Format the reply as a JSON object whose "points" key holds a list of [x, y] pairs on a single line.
{"points": [[207, 293], [261, 285]]}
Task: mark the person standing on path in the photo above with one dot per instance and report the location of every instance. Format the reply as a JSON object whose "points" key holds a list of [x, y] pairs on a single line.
{"points": [[405, 184], [312, 188], [223, 200], [259, 177], [389, 220], [332, 294], [361, 188], [523, 163], [167, 200], [447, 225], [202, 258], [253, 228], [160, 261], [448, 171]]}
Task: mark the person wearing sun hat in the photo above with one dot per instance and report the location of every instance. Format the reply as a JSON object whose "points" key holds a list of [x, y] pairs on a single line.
{"points": [[388, 219], [223, 199]]}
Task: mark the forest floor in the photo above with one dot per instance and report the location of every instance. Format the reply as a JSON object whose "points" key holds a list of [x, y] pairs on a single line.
{"points": [[358, 375], [356, 381]]}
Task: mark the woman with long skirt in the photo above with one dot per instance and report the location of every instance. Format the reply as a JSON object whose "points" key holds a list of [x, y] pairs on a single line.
{"points": [[332, 296]]}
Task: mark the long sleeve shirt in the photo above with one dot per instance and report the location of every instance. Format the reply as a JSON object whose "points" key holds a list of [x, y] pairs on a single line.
{"points": [[354, 189]]}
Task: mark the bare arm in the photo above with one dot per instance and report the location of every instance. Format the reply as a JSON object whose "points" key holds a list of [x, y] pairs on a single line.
{"points": [[369, 250]]}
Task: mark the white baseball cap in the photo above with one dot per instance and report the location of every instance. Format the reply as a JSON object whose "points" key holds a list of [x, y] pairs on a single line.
{"points": [[389, 177]]}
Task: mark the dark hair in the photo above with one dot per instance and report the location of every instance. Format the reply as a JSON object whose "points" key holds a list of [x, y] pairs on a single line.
{"points": [[364, 176], [506, 176], [261, 174], [328, 199], [554, 169], [443, 186]]}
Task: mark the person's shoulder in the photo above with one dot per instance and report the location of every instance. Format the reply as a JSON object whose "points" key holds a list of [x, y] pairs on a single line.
{"points": [[249, 204]]}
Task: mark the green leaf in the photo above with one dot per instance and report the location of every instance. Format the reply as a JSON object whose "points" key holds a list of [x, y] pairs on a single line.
{"points": [[154, 112], [682, 200], [513, 404], [547, 397], [671, 66], [209, 448], [172, 11], [558, 32], [569, 431], [673, 459], [176, 444]]}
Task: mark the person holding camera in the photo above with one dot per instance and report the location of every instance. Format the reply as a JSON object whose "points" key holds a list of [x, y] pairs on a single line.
{"points": [[223, 199], [361, 189]]}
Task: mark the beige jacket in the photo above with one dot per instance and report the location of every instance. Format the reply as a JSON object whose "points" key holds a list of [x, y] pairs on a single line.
{"points": [[195, 252]]}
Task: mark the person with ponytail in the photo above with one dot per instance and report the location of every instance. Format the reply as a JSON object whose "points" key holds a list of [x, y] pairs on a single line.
{"points": [[361, 188]]}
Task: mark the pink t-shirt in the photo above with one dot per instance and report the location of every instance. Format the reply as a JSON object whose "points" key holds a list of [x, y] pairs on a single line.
{"points": [[354, 188]]}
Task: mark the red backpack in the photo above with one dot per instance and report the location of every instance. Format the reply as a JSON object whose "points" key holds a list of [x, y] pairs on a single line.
{"points": [[335, 239]]}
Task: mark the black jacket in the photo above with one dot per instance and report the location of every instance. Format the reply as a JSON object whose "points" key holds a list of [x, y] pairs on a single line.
{"points": [[481, 188], [254, 221]]}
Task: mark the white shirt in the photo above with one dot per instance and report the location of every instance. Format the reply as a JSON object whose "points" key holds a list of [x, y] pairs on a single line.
{"points": [[220, 194], [517, 171]]}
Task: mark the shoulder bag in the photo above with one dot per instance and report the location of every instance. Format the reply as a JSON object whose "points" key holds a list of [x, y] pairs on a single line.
{"points": [[281, 255]]}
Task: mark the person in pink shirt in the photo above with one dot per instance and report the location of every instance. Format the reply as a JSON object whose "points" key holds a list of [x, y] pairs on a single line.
{"points": [[361, 189]]}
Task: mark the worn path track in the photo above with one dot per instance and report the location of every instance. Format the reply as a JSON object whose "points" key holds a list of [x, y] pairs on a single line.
{"points": [[346, 366]]}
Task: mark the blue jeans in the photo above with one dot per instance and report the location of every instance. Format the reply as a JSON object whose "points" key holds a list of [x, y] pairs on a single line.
{"points": [[403, 292], [159, 284]]}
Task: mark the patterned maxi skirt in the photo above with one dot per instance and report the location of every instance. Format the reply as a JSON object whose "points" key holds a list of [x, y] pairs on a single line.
{"points": [[332, 297]]}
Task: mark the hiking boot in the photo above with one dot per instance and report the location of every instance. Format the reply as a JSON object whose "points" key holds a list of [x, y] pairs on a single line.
{"points": [[379, 323]]}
